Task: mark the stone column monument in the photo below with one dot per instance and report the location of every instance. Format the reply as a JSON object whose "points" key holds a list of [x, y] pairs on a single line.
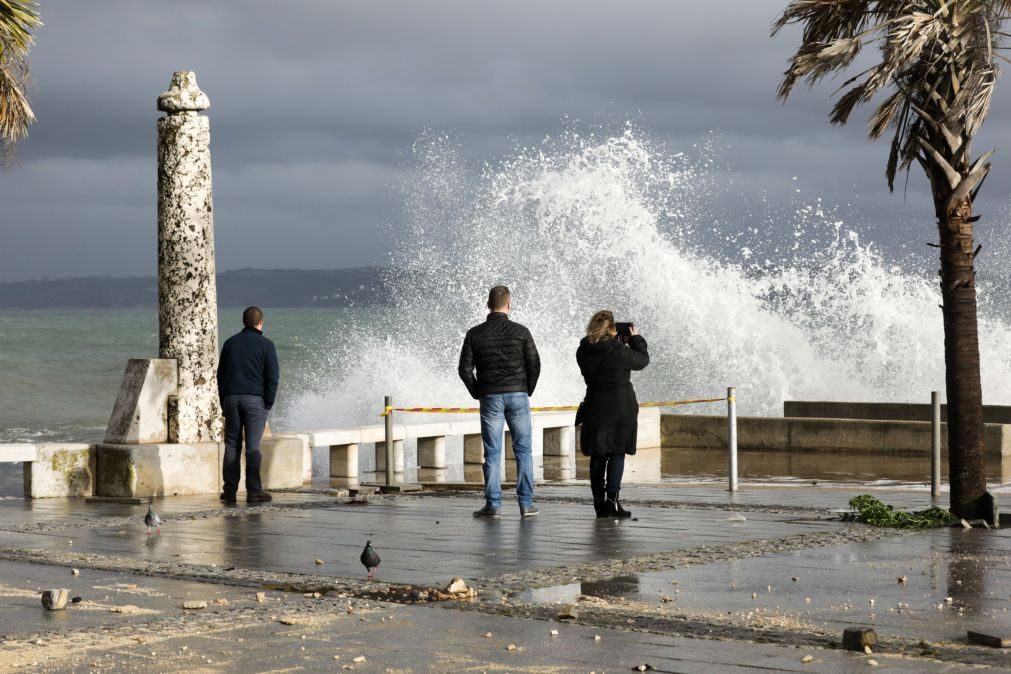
{"points": [[187, 292]]}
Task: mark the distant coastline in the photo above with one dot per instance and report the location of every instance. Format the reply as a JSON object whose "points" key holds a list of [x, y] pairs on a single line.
{"points": [[291, 288]]}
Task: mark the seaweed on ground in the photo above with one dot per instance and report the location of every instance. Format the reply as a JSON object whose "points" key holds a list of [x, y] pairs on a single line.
{"points": [[870, 510]]}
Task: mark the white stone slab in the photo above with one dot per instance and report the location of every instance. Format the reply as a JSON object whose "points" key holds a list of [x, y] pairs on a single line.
{"points": [[425, 430], [554, 419], [465, 427], [378, 433], [158, 469], [335, 436], [16, 453], [140, 414]]}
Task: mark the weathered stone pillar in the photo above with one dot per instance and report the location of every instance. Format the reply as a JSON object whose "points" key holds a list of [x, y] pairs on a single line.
{"points": [[187, 292]]}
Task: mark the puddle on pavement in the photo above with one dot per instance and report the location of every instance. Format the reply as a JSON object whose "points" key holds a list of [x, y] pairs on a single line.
{"points": [[934, 585]]}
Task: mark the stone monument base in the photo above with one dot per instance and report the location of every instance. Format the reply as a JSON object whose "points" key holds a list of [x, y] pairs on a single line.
{"points": [[164, 469]]}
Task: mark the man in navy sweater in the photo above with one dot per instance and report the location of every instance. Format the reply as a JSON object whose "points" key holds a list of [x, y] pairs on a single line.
{"points": [[247, 384]]}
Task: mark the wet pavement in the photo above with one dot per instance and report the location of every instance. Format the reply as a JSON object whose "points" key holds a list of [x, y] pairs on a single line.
{"points": [[673, 587]]}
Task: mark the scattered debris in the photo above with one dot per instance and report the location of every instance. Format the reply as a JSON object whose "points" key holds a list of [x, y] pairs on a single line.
{"points": [[596, 637], [872, 662], [807, 658], [221, 601], [554, 633], [194, 605], [487, 635], [737, 517], [988, 639], [360, 658], [76, 572], [128, 609], [644, 668], [261, 597], [320, 562], [903, 580], [511, 647], [458, 587]]}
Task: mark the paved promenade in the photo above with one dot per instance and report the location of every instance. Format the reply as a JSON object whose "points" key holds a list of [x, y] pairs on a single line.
{"points": [[699, 580]]}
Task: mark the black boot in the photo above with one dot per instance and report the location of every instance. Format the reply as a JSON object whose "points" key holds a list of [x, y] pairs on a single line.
{"points": [[614, 506], [600, 505]]}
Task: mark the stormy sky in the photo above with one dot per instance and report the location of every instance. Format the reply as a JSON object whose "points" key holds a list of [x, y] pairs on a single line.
{"points": [[315, 105]]}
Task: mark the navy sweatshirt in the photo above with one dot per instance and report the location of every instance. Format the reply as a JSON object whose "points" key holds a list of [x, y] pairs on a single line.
{"points": [[248, 366]]}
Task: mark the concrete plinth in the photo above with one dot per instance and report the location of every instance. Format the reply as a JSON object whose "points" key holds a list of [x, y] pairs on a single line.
{"points": [[159, 469], [473, 449], [187, 292], [432, 452], [140, 414], [558, 442], [163, 469], [60, 470], [344, 465], [398, 457]]}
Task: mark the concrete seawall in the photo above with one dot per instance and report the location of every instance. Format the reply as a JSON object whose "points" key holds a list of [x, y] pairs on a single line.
{"points": [[800, 434], [816, 409]]}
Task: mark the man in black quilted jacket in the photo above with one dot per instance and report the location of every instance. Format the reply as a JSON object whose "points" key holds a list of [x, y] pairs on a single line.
{"points": [[507, 364]]}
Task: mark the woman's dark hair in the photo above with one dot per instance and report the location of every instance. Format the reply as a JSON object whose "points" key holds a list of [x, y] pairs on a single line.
{"points": [[600, 326], [252, 317]]}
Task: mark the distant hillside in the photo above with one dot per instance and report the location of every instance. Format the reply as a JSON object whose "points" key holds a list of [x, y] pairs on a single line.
{"points": [[364, 286]]}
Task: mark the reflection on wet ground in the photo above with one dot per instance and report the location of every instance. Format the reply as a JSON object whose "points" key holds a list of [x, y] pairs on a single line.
{"points": [[673, 464], [935, 585]]}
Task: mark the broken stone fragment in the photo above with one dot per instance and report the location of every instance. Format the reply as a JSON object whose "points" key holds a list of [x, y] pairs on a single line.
{"points": [[128, 609], [807, 658], [194, 605], [55, 600], [261, 597], [568, 612], [456, 586]]}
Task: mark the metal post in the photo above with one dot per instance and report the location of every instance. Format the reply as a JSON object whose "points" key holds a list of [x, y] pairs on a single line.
{"points": [[389, 440], [935, 445], [732, 435]]}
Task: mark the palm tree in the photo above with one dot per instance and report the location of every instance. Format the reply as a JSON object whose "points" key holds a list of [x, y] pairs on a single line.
{"points": [[17, 19], [937, 63]]}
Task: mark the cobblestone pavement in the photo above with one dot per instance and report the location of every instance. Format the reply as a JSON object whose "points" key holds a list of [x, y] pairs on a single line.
{"points": [[685, 586]]}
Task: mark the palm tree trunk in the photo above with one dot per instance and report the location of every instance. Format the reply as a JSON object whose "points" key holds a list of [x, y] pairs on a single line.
{"points": [[966, 453]]}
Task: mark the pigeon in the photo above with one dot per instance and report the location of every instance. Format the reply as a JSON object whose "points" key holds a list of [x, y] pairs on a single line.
{"points": [[369, 559], [152, 521]]}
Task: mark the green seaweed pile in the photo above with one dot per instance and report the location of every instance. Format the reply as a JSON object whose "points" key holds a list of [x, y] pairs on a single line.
{"points": [[870, 510]]}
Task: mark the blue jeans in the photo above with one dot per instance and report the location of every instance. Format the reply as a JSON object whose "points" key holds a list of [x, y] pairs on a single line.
{"points": [[497, 410], [244, 415]]}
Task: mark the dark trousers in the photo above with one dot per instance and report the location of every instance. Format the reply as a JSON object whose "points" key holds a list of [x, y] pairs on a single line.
{"points": [[246, 416], [605, 475]]}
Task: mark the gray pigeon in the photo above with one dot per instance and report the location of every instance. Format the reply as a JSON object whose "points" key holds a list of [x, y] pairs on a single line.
{"points": [[369, 559], [152, 521]]}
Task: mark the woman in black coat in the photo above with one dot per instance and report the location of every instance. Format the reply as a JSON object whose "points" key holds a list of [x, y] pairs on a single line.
{"points": [[609, 414]]}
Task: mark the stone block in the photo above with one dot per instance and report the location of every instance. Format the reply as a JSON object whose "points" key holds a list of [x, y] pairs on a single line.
{"points": [[432, 452], [344, 461], [60, 471], [856, 638], [552, 419], [648, 433], [140, 414], [473, 449], [157, 469]]}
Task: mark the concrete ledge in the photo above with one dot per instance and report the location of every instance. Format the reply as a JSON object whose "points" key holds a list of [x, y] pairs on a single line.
{"points": [[793, 434], [281, 465], [60, 471], [305, 439], [816, 409]]}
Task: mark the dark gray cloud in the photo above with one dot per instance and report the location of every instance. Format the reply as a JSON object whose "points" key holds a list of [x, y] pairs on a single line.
{"points": [[315, 105]]}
